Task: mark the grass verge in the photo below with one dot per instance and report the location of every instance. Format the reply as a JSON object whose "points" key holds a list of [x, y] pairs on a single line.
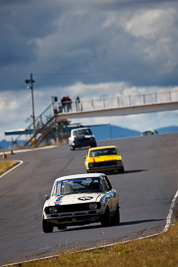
{"points": [[161, 250], [6, 165]]}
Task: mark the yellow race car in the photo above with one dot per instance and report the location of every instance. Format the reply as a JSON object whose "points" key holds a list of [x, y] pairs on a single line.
{"points": [[104, 159]]}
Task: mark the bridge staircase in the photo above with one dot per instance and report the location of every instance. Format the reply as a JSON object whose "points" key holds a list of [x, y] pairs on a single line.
{"points": [[43, 126], [41, 133]]}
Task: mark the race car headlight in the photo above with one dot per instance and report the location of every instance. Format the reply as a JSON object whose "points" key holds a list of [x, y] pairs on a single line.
{"points": [[90, 165], [119, 162], [93, 206], [53, 210]]}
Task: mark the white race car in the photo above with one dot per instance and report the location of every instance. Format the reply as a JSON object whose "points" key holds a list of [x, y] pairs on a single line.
{"points": [[81, 137], [81, 199]]}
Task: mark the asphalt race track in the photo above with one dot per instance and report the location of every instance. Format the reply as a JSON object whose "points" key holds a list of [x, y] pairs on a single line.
{"points": [[146, 190]]}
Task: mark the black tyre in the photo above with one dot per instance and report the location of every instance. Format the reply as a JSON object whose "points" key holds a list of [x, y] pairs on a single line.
{"points": [[94, 145], [106, 220], [116, 217], [121, 170], [62, 227], [47, 227]]}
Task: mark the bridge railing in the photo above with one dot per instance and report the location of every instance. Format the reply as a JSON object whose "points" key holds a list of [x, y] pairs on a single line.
{"points": [[124, 101], [119, 101]]}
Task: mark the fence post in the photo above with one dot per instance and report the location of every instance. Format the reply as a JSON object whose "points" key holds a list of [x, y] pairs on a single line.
{"points": [[103, 103], [92, 104], [170, 96], [118, 101], [156, 97], [81, 106]]}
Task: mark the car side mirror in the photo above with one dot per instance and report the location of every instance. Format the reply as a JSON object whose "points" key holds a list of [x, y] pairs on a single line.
{"points": [[84, 157], [46, 197]]}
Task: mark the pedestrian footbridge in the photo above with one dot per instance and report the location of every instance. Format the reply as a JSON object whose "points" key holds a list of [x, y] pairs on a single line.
{"points": [[122, 105], [51, 118]]}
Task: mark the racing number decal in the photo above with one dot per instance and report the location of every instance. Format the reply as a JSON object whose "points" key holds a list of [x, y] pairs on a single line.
{"points": [[84, 198]]}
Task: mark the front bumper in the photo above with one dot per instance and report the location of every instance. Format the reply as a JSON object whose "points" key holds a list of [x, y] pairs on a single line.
{"points": [[84, 142], [106, 168], [75, 219]]}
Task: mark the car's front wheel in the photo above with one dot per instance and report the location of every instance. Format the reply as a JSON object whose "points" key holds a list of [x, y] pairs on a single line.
{"points": [[116, 217], [62, 227], [94, 145], [72, 147], [106, 220], [121, 170], [47, 227]]}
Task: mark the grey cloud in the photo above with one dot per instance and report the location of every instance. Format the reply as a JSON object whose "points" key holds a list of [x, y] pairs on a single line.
{"points": [[63, 42]]}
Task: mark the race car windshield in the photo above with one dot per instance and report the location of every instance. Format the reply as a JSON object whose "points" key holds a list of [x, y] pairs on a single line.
{"points": [[82, 132], [102, 152], [76, 186]]}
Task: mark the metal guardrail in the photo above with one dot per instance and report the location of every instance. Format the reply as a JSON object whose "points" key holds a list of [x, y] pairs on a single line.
{"points": [[121, 101]]}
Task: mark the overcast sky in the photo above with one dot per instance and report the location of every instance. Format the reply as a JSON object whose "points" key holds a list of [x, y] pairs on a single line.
{"points": [[90, 48]]}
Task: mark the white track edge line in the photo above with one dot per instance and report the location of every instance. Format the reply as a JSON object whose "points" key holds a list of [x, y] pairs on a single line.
{"points": [[167, 226], [169, 217], [17, 165]]}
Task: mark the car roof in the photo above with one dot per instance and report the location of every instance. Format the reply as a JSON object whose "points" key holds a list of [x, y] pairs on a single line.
{"points": [[101, 147], [82, 128], [77, 176]]}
